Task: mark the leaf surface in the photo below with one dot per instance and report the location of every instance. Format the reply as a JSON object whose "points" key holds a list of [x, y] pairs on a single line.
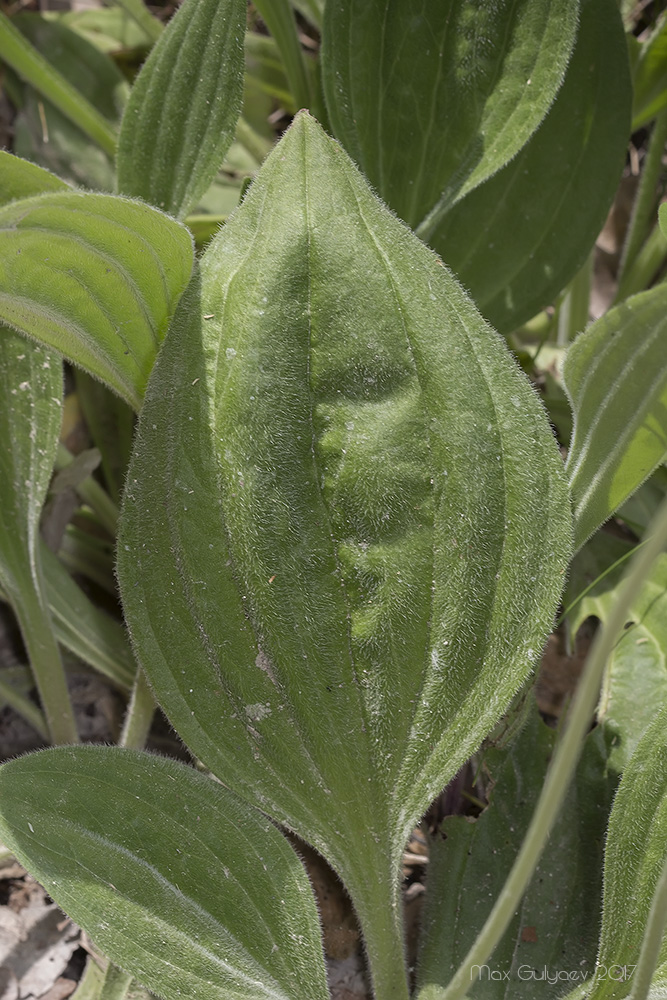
{"points": [[169, 148], [22, 179], [517, 240], [346, 505], [31, 383], [557, 925], [615, 374], [175, 878], [634, 857], [487, 76], [95, 277]]}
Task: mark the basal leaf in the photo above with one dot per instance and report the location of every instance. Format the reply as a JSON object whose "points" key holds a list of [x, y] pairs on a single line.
{"points": [[345, 524], [21, 179], [170, 148], [557, 926], [31, 386], [96, 277], [487, 75], [174, 877], [634, 858], [615, 374], [519, 238]]}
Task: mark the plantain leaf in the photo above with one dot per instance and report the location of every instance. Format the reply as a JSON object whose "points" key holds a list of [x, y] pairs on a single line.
{"points": [[31, 382], [96, 277], [615, 374], [21, 179], [169, 148], [518, 239], [175, 878], [487, 76], [345, 524], [634, 858], [557, 926]]}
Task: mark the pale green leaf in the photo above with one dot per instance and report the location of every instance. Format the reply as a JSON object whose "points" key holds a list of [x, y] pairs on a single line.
{"points": [[21, 179], [487, 74], [170, 148], [557, 925], [175, 878], [345, 525], [96, 277], [615, 374], [634, 857], [31, 384], [110, 29], [518, 239]]}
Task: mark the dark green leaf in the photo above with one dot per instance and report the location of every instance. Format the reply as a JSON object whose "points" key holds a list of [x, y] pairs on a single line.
{"points": [[345, 525], [557, 926], [487, 74], [517, 240], [176, 879], [169, 148], [96, 277], [615, 374]]}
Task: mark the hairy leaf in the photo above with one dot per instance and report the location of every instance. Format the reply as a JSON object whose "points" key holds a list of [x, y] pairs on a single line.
{"points": [[557, 925], [519, 238], [345, 524], [96, 277], [170, 148], [634, 858], [615, 374], [487, 75], [172, 875], [21, 179]]}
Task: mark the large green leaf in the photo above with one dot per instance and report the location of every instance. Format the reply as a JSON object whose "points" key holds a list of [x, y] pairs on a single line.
{"points": [[634, 858], [96, 277], [183, 109], [345, 523], [615, 374], [176, 879], [31, 386], [430, 100], [519, 238], [557, 926]]}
